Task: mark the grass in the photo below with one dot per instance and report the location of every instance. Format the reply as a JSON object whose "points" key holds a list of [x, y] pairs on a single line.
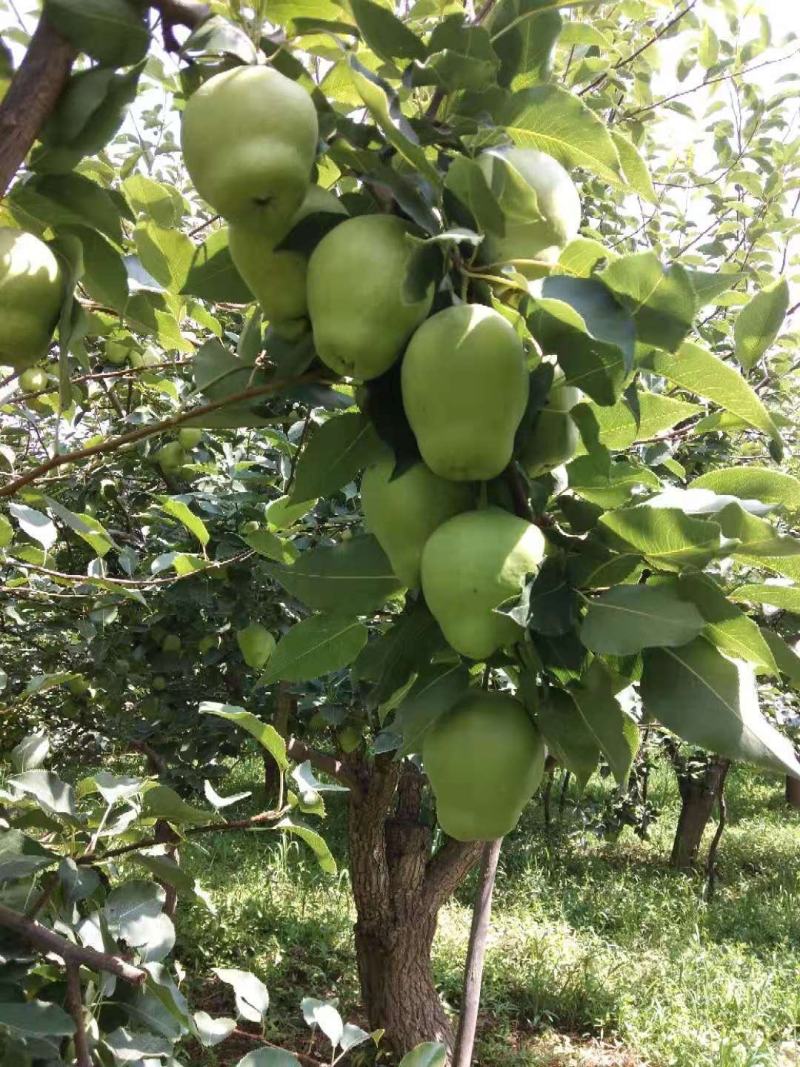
{"points": [[600, 955]]}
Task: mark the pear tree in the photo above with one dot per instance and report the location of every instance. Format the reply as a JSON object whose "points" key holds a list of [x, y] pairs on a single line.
{"points": [[420, 350]]}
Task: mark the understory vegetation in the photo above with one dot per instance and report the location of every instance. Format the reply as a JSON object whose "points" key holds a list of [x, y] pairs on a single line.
{"points": [[600, 956]]}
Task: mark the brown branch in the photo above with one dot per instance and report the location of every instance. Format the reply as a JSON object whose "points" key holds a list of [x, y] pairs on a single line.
{"points": [[643, 48], [447, 870], [174, 13], [120, 441], [325, 762], [252, 823], [129, 583], [31, 97], [49, 941], [74, 1000]]}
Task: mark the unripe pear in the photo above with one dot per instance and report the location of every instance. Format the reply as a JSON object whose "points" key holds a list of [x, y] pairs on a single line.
{"points": [[171, 457], [116, 352], [558, 202], [470, 565], [31, 292], [189, 437], [249, 137], [358, 311], [171, 643], [465, 389], [256, 644], [403, 512], [159, 683], [278, 279], [484, 759], [554, 437], [33, 380]]}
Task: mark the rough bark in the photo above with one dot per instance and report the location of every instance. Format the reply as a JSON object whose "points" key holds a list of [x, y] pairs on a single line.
{"points": [[398, 889], [699, 792], [792, 791]]}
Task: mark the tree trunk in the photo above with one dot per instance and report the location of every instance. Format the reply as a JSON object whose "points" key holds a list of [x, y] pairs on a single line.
{"points": [[699, 792], [792, 791], [398, 889]]}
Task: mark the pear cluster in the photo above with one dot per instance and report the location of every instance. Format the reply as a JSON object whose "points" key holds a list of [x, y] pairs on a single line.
{"points": [[31, 293]]}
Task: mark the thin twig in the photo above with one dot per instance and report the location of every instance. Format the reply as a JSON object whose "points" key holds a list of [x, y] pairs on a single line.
{"points": [[74, 999]]}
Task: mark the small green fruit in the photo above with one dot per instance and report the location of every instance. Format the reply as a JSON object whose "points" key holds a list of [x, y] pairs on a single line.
{"points": [[278, 279], [159, 683], [117, 352], [532, 246], [249, 137], [256, 644], [465, 388], [554, 438], [403, 512], [356, 277], [171, 643], [189, 438], [349, 739], [78, 686], [484, 759], [471, 565], [31, 291], [33, 380], [171, 457]]}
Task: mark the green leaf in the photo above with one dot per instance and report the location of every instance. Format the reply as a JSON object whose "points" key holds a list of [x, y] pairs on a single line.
{"points": [[555, 121], [727, 626], [628, 618], [661, 301], [161, 802], [619, 427], [49, 790], [160, 202], [699, 372], [266, 735], [314, 841], [386, 112], [616, 734], [429, 1054], [211, 1031], [385, 34], [785, 597], [181, 511], [314, 647], [708, 284], [252, 998], [712, 701], [467, 182], [212, 275], [753, 483], [36, 1018], [268, 1057], [460, 56], [72, 200], [267, 544], [524, 33], [667, 537], [167, 254], [567, 735], [110, 31], [759, 322], [787, 659], [336, 452], [104, 275], [354, 575], [435, 690], [758, 537], [633, 166], [21, 856]]}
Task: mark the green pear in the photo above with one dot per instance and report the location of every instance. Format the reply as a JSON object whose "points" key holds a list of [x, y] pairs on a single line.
{"points": [[31, 292], [171, 643], [356, 276], [33, 380], [256, 644], [554, 438], [532, 244], [249, 137], [189, 437], [470, 565], [465, 389], [171, 457], [403, 512], [278, 279], [484, 759]]}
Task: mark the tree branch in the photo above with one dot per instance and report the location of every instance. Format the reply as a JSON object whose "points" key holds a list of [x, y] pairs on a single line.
{"points": [[151, 428], [174, 13], [49, 941], [83, 1057], [325, 762], [447, 870]]}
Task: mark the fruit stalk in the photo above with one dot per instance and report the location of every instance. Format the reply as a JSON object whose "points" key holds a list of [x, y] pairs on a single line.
{"points": [[476, 954]]}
